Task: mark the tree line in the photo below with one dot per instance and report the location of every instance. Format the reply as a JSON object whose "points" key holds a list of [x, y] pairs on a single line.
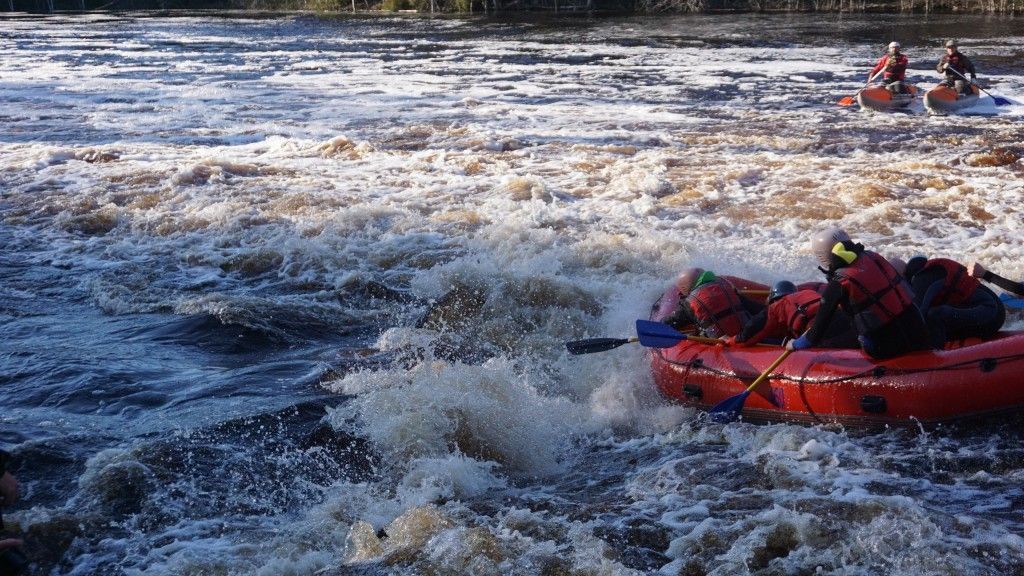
{"points": [[1008, 7]]}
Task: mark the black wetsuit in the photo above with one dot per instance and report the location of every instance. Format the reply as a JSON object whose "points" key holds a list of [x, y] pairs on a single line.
{"points": [[981, 315]]}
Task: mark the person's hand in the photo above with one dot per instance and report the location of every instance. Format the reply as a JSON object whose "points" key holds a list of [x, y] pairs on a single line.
{"points": [[800, 343], [977, 270], [8, 489], [974, 77], [728, 340]]}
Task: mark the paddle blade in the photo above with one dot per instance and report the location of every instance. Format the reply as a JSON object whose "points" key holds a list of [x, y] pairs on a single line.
{"points": [[728, 410], [658, 335], [1011, 301], [1000, 101], [846, 101], [596, 345]]}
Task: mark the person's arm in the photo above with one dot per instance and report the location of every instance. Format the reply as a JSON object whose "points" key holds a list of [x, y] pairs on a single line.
{"points": [[752, 333], [969, 66], [926, 286], [930, 292], [941, 66], [682, 316], [830, 300], [878, 66], [979, 272]]}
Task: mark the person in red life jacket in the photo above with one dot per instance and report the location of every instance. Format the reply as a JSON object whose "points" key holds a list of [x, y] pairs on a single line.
{"points": [[954, 304], [954, 60], [712, 304], [790, 311], [894, 62], [871, 292], [981, 273]]}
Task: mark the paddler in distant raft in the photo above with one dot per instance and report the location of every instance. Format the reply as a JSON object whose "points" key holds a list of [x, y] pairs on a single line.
{"points": [[954, 304], [956, 66], [865, 286], [894, 62], [713, 304]]}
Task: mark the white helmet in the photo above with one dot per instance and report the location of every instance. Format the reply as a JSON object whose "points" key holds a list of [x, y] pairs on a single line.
{"points": [[822, 243], [894, 46], [686, 280]]}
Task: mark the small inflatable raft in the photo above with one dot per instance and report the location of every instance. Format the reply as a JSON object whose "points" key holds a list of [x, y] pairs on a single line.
{"points": [[945, 100], [968, 380], [880, 99]]}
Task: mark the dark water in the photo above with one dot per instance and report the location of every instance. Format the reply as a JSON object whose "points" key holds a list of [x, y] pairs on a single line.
{"points": [[289, 295]]}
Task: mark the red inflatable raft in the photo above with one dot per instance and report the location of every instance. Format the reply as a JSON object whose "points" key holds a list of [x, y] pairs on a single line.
{"points": [[965, 381]]}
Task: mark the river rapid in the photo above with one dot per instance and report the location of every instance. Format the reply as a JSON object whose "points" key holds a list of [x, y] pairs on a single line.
{"points": [[289, 295]]}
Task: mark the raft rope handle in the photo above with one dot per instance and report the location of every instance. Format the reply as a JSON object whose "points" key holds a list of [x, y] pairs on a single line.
{"points": [[696, 365]]}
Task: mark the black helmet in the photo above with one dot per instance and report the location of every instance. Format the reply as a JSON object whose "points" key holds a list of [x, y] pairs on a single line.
{"points": [[780, 289], [914, 265]]}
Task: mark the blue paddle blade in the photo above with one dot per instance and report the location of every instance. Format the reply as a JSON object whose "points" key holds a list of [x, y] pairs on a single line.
{"points": [[657, 334], [729, 409], [1000, 101], [1011, 301]]}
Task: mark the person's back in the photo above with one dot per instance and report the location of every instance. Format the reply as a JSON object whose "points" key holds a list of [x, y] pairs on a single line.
{"points": [[954, 304], [867, 288], [718, 308], [789, 316]]}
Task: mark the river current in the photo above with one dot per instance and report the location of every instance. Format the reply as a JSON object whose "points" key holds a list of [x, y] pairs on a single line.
{"points": [[289, 295]]}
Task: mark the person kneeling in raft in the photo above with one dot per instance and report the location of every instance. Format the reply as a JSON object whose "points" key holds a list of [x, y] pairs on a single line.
{"points": [[867, 288]]}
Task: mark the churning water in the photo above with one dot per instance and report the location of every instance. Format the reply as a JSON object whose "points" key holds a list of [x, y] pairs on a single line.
{"points": [[289, 295]]}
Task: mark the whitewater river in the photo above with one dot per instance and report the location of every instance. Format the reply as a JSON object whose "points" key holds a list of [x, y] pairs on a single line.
{"points": [[290, 296]]}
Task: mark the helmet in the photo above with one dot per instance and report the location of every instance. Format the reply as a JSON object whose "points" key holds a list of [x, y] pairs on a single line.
{"points": [[780, 289], [898, 263], [894, 46], [914, 265], [822, 243], [686, 280], [950, 43]]}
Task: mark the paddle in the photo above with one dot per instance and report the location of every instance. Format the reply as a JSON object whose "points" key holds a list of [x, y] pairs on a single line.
{"points": [[592, 345], [649, 333], [850, 100], [729, 409], [999, 100], [1011, 301]]}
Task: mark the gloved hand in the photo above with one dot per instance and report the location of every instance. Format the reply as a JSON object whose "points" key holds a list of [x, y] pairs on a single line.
{"points": [[944, 67], [800, 343]]}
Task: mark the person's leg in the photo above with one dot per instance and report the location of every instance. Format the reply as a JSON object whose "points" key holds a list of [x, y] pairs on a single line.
{"points": [[981, 316]]}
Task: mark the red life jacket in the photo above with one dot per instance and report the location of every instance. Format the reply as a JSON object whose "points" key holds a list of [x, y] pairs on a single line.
{"points": [[895, 68], [876, 293], [958, 286], [796, 311], [956, 61], [718, 309]]}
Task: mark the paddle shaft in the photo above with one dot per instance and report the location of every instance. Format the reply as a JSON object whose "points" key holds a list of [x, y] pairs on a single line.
{"points": [[998, 101], [768, 371]]}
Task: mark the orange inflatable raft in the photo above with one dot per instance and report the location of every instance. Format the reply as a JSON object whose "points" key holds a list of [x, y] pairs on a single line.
{"points": [[968, 380]]}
